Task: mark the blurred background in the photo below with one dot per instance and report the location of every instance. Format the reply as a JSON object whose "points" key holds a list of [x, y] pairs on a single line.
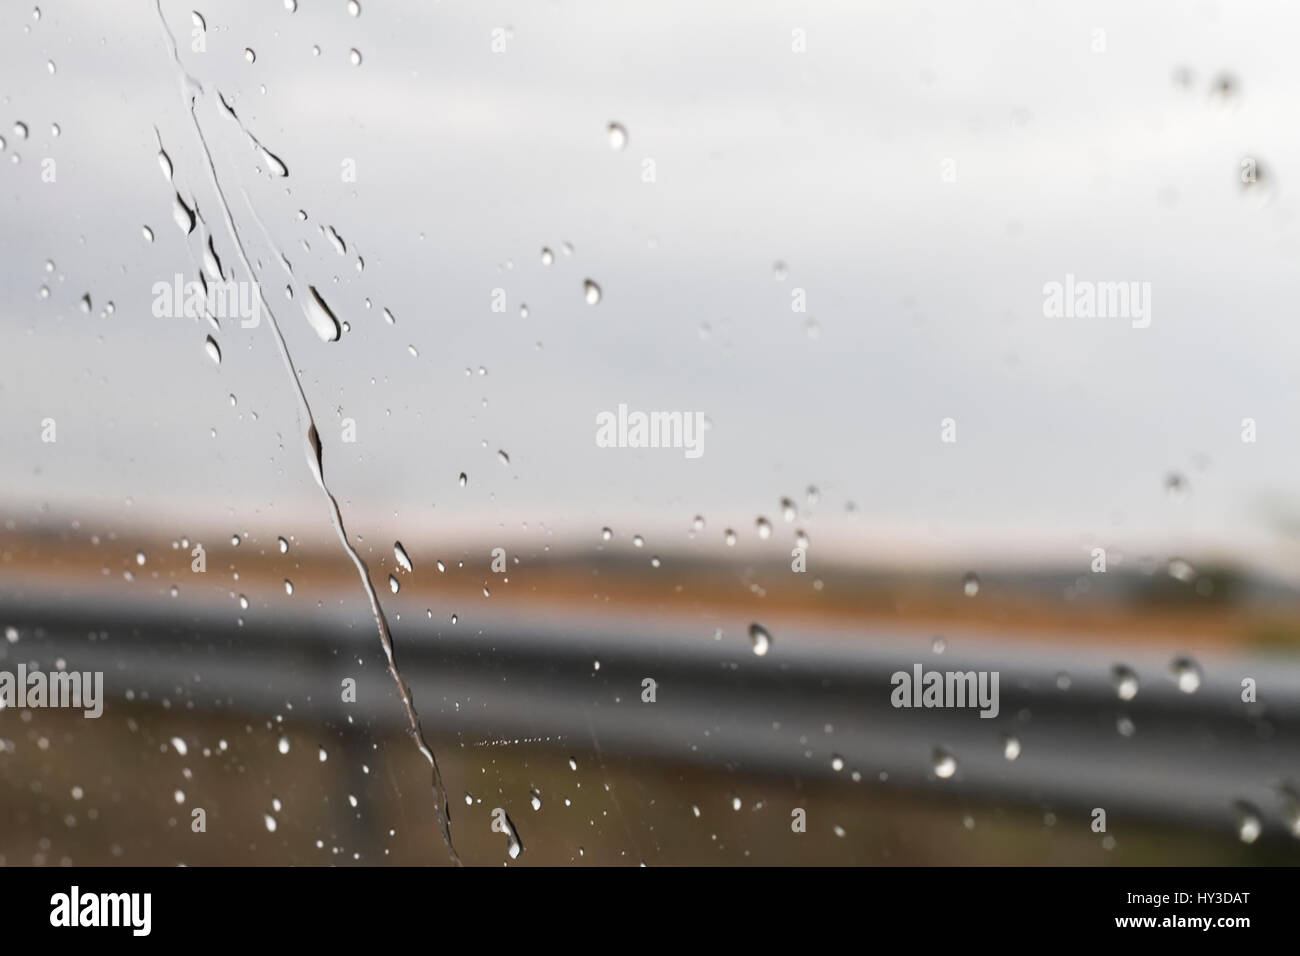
{"points": [[475, 227]]}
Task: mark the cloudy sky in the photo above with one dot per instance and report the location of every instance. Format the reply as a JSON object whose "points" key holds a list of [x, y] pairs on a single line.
{"points": [[1104, 142]]}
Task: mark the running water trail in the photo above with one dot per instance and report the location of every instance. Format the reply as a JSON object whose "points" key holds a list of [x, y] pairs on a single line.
{"points": [[191, 90]]}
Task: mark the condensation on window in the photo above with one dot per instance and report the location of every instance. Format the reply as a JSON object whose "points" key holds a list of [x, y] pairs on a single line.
{"points": [[590, 434]]}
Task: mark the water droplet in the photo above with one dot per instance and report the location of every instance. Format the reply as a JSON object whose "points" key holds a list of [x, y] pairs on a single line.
{"points": [[354, 8], [183, 215], [179, 746], [547, 257], [243, 602], [573, 764], [284, 543], [464, 479], [270, 822], [638, 541], [320, 316], [837, 763], [52, 69], [1249, 825], [970, 584], [322, 755], [1223, 87], [780, 270], [761, 640], [214, 350], [938, 645], [1181, 570], [535, 798], [764, 527], [591, 291], [503, 457], [288, 586], [1186, 673], [1125, 680], [801, 539], [729, 536], [1010, 746], [249, 55], [394, 585], [283, 746], [945, 764], [1175, 486], [606, 534], [20, 130], [617, 136], [403, 559], [788, 511], [354, 55], [148, 233]]}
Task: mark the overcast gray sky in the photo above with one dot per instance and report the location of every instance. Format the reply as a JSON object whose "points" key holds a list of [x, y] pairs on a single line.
{"points": [[926, 295]]}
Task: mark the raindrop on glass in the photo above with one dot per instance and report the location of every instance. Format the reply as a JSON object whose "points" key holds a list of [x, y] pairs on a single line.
{"points": [[403, 559], [1249, 825], [1125, 680], [1186, 673], [945, 765], [320, 317]]}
